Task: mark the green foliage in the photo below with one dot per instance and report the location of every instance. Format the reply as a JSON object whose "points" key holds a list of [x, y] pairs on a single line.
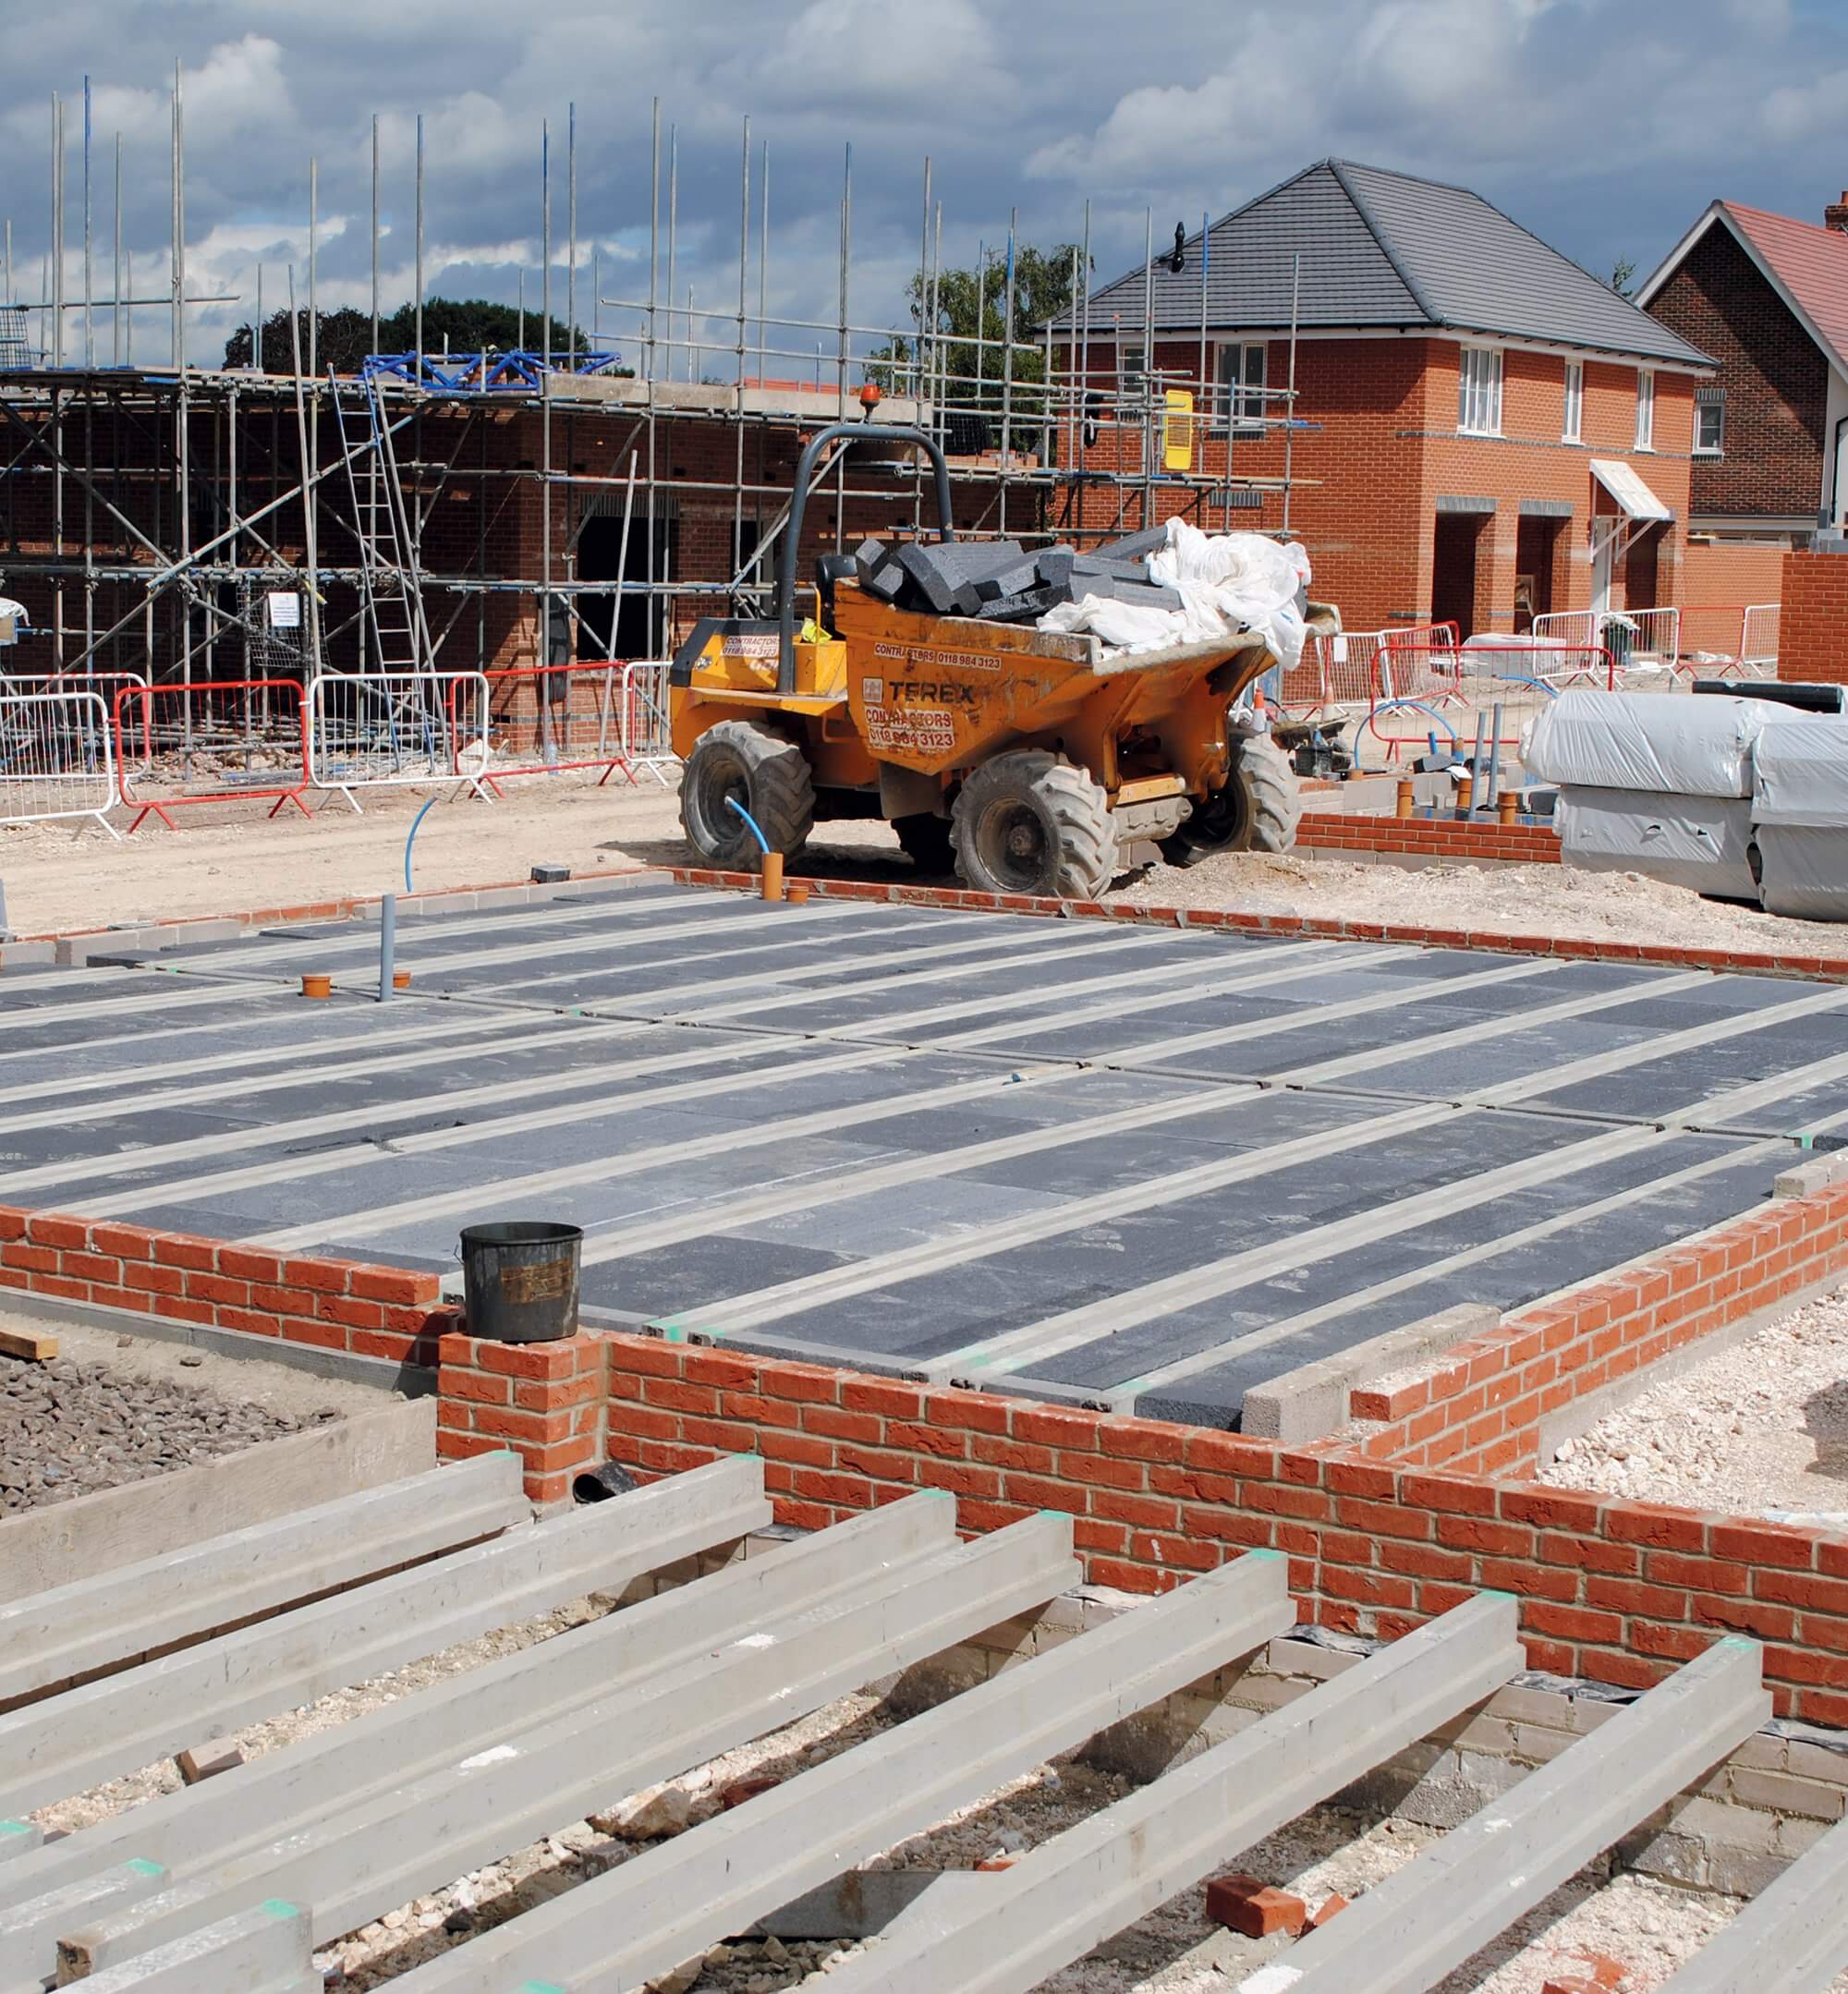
{"points": [[452, 324], [1622, 272], [973, 303]]}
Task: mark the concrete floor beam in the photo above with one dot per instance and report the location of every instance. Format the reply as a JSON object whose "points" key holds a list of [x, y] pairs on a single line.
{"points": [[118, 1617], [1792, 1938], [336, 1770], [1074, 1891], [365, 1860], [57, 1747], [664, 1906], [265, 1949], [1407, 1932]]}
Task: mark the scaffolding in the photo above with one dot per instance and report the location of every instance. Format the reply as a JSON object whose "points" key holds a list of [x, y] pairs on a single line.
{"points": [[437, 512]]}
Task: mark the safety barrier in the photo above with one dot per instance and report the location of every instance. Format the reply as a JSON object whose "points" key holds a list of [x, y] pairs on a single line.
{"points": [[648, 740], [56, 757], [394, 729], [211, 742], [1758, 639], [1642, 640], [1417, 670], [551, 719], [1493, 658]]}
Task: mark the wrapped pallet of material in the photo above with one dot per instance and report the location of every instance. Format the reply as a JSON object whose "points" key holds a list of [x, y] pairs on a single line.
{"points": [[1654, 784], [1800, 809]]}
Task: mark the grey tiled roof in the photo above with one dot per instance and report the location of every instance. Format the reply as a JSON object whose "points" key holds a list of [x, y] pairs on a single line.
{"points": [[1385, 249]]}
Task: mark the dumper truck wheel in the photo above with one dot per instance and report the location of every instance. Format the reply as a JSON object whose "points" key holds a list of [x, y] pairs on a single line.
{"points": [[1028, 822], [767, 774], [926, 840], [1257, 810]]}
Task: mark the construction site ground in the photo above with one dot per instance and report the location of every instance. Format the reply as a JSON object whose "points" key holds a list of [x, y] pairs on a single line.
{"points": [[227, 857]]}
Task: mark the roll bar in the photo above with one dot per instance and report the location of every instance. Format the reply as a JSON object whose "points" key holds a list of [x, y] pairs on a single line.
{"points": [[888, 432]]}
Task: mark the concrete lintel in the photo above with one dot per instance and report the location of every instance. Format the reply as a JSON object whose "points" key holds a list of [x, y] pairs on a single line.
{"points": [[1478, 503], [363, 1860], [339, 1770], [1312, 1400], [1792, 1938], [67, 1743], [265, 1949], [147, 1519], [647, 1915], [117, 1617], [1407, 1932], [1068, 1895]]}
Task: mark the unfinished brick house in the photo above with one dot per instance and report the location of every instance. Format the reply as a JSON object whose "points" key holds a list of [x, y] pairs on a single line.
{"points": [[1480, 429], [1767, 296]]}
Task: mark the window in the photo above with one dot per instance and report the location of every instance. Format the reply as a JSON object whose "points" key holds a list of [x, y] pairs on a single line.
{"points": [[1241, 367], [1710, 422], [1131, 368], [1645, 409], [1571, 428], [1478, 391]]}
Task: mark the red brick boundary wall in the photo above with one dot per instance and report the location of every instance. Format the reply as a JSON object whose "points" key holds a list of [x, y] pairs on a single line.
{"points": [[1431, 837], [1813, 621], [1481, 1405], [1826, 968], [1614, 1590]]}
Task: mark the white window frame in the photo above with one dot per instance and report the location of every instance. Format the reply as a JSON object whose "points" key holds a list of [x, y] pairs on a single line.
{"points": [[1239, 403], [1572, 419], [1645, 409], [1479, 401], [1717, 448], [1132, 366]]}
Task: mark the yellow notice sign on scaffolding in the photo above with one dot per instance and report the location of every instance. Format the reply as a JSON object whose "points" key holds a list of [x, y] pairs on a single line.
{"points": [[1177, 430]]}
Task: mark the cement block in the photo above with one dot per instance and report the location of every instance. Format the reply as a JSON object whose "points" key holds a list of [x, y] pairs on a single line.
{"points": [[1804, 1180], [1312, 1400]]}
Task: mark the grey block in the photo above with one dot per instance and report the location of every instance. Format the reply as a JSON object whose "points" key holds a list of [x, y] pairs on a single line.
{"points": [[870, 557], [1099, 563], [1014, 580], [1114, 589], [1053, 564], [927, 578], [886, 582], [1312, 1400], [1792, 1939], [1024, 608], [1136, 546]]}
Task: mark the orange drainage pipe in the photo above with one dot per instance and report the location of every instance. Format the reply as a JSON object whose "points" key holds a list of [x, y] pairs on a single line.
{"points": [[316, 984]]}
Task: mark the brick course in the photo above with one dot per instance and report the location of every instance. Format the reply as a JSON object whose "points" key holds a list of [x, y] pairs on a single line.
{"points": [[1813, 624], [1433, 837]]}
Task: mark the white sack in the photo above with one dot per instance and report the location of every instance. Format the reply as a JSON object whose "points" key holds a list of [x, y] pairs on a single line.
{"points": [[1800, 773], [1805, 870], [1694, 745], [1227, 582], [1697, 842]]}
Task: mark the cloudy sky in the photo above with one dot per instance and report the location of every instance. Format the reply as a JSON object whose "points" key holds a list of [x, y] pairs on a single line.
{"points": [[1603, 125]]}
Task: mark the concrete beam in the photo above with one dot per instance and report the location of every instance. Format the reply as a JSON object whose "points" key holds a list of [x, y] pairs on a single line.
{"points": [[866, 1901], [93, 1626], [1057, 1901], [664, 1906], [19, 1837], [147, 1519], [57, 1747], [27, 1937], [364, 1860], [1792, 1936], [1312, 1400], [265, 1949], [415, 1735], [1407, 1932]]}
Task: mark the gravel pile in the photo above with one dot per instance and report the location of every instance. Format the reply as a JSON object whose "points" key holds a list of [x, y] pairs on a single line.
{"points": [[68, 1429]]}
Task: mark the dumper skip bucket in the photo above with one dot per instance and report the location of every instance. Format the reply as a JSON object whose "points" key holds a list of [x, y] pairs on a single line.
{"points": [[520, 1280]]}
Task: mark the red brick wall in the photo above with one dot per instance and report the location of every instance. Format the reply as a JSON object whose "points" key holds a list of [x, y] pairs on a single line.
{"points": [[1776, 384], [1435, 837], [1720, 578], [1813, 628]]}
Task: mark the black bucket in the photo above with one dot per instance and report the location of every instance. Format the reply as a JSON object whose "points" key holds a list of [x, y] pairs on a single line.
{"points": [[520, 1280]]}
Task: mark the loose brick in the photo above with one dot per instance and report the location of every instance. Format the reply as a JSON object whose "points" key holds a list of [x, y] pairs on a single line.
{"points": [[1243, 1904]]}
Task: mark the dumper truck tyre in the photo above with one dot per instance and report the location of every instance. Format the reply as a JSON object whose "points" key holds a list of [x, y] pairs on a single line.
{"points": [[1257, 810], [927, 842], [1028, 822], [767, 774]]}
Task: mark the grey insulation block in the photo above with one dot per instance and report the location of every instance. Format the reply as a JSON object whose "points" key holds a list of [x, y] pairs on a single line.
{"points": [[1097, 564], [870, 557], [1014, 580], [1026, 608], [928, 578], [1112, 588], [1136, 546], [885, 582], [1053, 564]]}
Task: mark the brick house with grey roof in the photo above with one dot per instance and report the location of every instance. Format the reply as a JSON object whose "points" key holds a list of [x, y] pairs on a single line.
{"points": [[1480, 429]]}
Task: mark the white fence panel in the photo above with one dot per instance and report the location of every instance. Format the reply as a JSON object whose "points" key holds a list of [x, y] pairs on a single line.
{"points": [[1758, 639], [56, 757], [397, 729], [647, 741]]}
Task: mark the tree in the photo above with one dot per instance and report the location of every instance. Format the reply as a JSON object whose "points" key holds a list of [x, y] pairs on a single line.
{"points": [[971, 303], [1621, 271], [453, 326]]}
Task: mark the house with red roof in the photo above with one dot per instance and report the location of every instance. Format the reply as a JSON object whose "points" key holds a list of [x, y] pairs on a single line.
{"points": [[1766, 297]]}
